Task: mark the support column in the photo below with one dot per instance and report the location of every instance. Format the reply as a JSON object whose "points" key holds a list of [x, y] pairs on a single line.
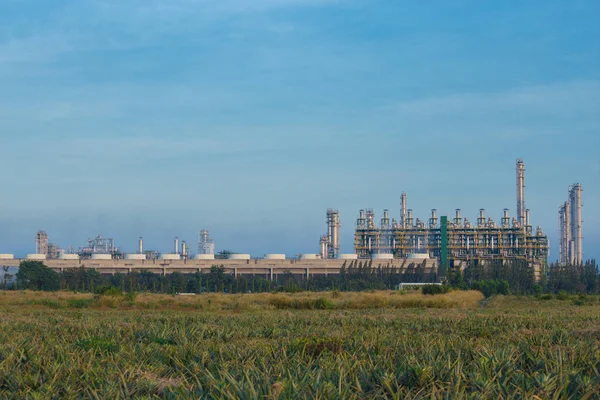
{"points": [[271, 273], [307, 273]]}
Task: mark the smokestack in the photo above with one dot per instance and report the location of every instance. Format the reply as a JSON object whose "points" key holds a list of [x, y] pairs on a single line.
{"points": [[184, 248], [141, 246], [521, 192], [403, 210], [176, 245], [409, 219]]}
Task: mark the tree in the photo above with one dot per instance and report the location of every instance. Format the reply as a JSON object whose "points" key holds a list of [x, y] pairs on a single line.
{"points": [[35, 275]]}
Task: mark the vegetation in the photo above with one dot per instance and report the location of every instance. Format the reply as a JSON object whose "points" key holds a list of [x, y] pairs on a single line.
{"points": [[492, 278], [35, 275], [305, 345]]}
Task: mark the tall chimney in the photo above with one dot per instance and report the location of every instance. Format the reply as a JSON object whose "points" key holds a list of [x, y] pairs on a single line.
{"points": [[403, 210], [176, 245], [141, 246], [521, 192]]}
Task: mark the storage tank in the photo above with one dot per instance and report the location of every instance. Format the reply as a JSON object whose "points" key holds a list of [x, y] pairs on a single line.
{"points": [[382, 256], [135, 257], [36, 257], [308, 256], [170, 257], [350, 256], [239, 256], [275, 256], [101, 256], [7, 256], [204, 257], [69, 257]]}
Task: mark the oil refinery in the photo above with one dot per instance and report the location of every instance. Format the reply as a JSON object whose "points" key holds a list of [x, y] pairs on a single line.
{"points": [[454, 241], [435, 243]]}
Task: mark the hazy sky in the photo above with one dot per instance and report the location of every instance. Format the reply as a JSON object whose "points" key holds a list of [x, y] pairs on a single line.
{"points": [[250, 118]]}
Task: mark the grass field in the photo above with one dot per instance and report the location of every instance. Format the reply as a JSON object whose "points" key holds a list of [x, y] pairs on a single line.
{"points": [[313, 345]]}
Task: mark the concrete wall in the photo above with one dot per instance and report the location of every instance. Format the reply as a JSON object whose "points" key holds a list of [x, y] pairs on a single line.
{"points": [[267, 268]]}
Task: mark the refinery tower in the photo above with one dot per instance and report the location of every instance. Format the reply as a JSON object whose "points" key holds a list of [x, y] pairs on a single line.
{"points": [[571, 227]]}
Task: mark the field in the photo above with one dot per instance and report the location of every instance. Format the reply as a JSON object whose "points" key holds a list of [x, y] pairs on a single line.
{"points": [[315, 345]]}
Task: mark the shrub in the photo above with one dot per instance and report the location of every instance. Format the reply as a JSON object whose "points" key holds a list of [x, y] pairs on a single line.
{"points": [[562, 295], [80, 303], [108, 291], [435, 289], [324, 304], [130, 296]]}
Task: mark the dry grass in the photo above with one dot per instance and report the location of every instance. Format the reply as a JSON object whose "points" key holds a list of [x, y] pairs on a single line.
{"points": [[246, 302]]}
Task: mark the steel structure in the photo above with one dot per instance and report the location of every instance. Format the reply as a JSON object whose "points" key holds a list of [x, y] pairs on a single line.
{"points": [[332, 240], [99, 245], [454, 240], [571, 227], [205, 244], [41, 243]]}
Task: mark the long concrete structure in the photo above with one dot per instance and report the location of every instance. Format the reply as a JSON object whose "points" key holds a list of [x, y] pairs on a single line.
{"points": [[267, 268]]}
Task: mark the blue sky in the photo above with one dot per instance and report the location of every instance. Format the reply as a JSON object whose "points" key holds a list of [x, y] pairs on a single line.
{"points": [[157, 118]]}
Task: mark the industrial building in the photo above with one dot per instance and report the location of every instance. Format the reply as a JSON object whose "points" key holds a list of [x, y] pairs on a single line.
{"points": [[330, 243], [435, 242], [571, 227], [454, 241]]}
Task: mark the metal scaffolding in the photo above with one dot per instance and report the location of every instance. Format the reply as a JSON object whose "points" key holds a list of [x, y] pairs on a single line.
{"points": [[456, 239]]}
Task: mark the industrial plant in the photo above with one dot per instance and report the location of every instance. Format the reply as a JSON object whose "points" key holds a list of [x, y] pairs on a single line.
{"points": [[435, 243], [457, 240]]}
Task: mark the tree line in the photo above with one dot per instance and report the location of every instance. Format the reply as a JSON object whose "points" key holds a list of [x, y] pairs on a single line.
{"points": [[515, 277]]}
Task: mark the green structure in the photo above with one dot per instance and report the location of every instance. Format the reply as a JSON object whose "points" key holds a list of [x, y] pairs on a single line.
{"points": [[443, 246]]}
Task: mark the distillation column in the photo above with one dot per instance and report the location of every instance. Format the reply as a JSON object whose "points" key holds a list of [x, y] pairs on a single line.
{"points": [[333, 233], [403, 210], [564, 214], [576, 222], [520, 192]]}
